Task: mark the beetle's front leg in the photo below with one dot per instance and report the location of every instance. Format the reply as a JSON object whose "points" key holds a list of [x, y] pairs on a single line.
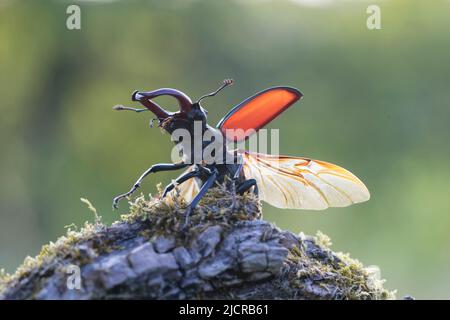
{"points": [[153, 169]]}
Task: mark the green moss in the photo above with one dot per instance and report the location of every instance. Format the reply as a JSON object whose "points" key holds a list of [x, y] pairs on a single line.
{"points": [[334, 275], [5, 278], [54, 251], [366, 281], [323, 240], [98, 218], [167, 217]]}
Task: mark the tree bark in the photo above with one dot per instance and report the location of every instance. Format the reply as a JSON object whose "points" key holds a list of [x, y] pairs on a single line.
{"points": [[240, 258]]}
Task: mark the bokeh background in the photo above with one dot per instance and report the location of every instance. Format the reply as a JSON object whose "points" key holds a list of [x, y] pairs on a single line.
{"points": [[376, 102]]}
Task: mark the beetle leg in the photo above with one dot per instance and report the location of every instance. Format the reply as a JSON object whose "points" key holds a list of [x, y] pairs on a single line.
{"points": [[233, 185], [153, 169], [238, 171], [184, 177], [246, 185], [198, 197]]}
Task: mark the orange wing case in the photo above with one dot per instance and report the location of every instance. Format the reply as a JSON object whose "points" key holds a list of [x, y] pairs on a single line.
{"points": [[255, 112]]}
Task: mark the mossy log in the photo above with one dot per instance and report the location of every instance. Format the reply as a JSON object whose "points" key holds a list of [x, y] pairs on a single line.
{"points": [[227, 252]]}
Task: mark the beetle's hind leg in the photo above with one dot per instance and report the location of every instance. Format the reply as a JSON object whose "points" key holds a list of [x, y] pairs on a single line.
{"points": [[246, 185], [233, 183], [205, 187], [184, 177]]}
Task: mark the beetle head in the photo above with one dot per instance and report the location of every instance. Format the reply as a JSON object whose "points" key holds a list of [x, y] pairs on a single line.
{"points": [[170, 121], [189, 111]]}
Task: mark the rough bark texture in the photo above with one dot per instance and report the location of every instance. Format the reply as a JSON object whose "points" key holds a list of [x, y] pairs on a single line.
{"points": [[241, 257]]}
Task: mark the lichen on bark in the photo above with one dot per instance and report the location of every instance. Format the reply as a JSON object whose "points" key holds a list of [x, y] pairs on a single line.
{"points": [[227, 252]]}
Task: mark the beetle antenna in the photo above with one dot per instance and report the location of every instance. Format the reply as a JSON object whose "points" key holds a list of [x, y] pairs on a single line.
{"points": [[225, 83], [120, 107]]}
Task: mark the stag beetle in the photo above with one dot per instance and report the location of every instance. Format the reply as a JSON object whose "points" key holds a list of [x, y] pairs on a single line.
{"points": [[282, 181]]}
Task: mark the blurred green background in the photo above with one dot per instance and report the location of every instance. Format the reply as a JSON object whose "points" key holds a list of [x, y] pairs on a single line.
{"points": [[376, 102]]}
